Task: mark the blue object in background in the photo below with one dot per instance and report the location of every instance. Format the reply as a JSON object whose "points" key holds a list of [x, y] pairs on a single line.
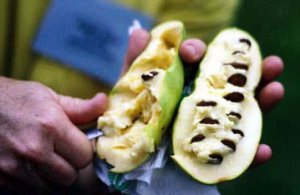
{"points": [[90, 36]]}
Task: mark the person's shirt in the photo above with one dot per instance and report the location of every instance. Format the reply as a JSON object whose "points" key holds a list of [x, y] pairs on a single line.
{"points": [[20, 19]]}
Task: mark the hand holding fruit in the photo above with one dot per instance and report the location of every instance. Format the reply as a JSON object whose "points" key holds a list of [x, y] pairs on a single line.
{"points": [[269, 92]]}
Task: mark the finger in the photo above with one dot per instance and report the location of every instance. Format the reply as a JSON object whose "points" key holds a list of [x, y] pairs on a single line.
{"points": [[192, 50], [272, 68], [46, 167], [56, 170], [270, 95], [73, 145], [14, 173], [263, 154], [138, 41], [89, 183], [82, 111]]}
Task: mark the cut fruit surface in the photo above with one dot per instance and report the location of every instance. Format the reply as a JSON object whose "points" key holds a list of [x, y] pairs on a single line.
{"points": [[143, 101], [218, 126]]}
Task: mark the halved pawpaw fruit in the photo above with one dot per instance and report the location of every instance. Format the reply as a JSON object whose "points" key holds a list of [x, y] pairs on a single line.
{"points": [[143, 101], [218, 127]]}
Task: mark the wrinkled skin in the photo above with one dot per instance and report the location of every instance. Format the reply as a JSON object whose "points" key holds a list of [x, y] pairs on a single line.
{"points": [[37, 126], [40, 145]]}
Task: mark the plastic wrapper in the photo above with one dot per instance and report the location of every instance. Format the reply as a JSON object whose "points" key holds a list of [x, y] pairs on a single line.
{"points": [[159, 175]]}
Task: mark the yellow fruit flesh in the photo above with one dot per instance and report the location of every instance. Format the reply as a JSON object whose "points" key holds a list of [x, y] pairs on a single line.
{"points": [[133, 123], [219, 125]]}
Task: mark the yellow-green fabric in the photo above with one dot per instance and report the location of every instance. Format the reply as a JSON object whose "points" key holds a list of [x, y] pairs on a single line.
{"points": [[3, 32], [28, 16], [203, 18], [65, 80]]}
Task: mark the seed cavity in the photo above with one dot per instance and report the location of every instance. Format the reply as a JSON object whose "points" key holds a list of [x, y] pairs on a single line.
{"points": [[229, 144], [198, 138], [247, 41], [148, 76], [136, 118], [237, 115], [237, 131], [238, 52], [215, 159], [234, 97], [237, 80], [237, 65], [207, 103], [209, 121]]}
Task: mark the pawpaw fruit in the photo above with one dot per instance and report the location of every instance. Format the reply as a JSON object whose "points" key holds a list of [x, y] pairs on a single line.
{"points": [[143, 101], [218, 126]]}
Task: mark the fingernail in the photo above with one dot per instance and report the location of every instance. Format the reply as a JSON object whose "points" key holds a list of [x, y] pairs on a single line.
{"points": [[191, 51]]}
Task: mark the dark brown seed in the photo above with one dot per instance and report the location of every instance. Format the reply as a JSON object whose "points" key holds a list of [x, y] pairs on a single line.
{"points": [[149, 75], [237, 65], [238, 52], [146, 77], [237, 115], [237, 80], [209, 121], [198, 138], [135, 119], [247, 41], [154, 73], [234, 97], [207, 103], [237, 131], [216, 159], [229, 144]]}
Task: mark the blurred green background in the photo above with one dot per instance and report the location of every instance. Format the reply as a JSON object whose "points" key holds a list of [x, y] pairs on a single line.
{"points": [[276, 26]]}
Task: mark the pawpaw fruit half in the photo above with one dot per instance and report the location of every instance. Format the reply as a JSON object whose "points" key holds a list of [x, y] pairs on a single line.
{"points": [[218, 127], [143, 101]]}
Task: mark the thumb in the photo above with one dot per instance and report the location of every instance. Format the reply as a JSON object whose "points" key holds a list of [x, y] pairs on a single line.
{"points": [[138, 41], [82, 111]]}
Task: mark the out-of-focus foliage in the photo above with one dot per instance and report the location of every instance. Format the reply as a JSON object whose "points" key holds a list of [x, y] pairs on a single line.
{"points": [[275, 24]]}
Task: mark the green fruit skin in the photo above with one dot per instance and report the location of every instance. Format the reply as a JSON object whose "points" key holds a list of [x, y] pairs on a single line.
{"points": [[170, 94]]}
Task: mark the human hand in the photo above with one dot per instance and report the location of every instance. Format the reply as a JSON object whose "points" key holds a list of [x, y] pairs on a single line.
{"points": [[40, 145], [269, 92]]}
